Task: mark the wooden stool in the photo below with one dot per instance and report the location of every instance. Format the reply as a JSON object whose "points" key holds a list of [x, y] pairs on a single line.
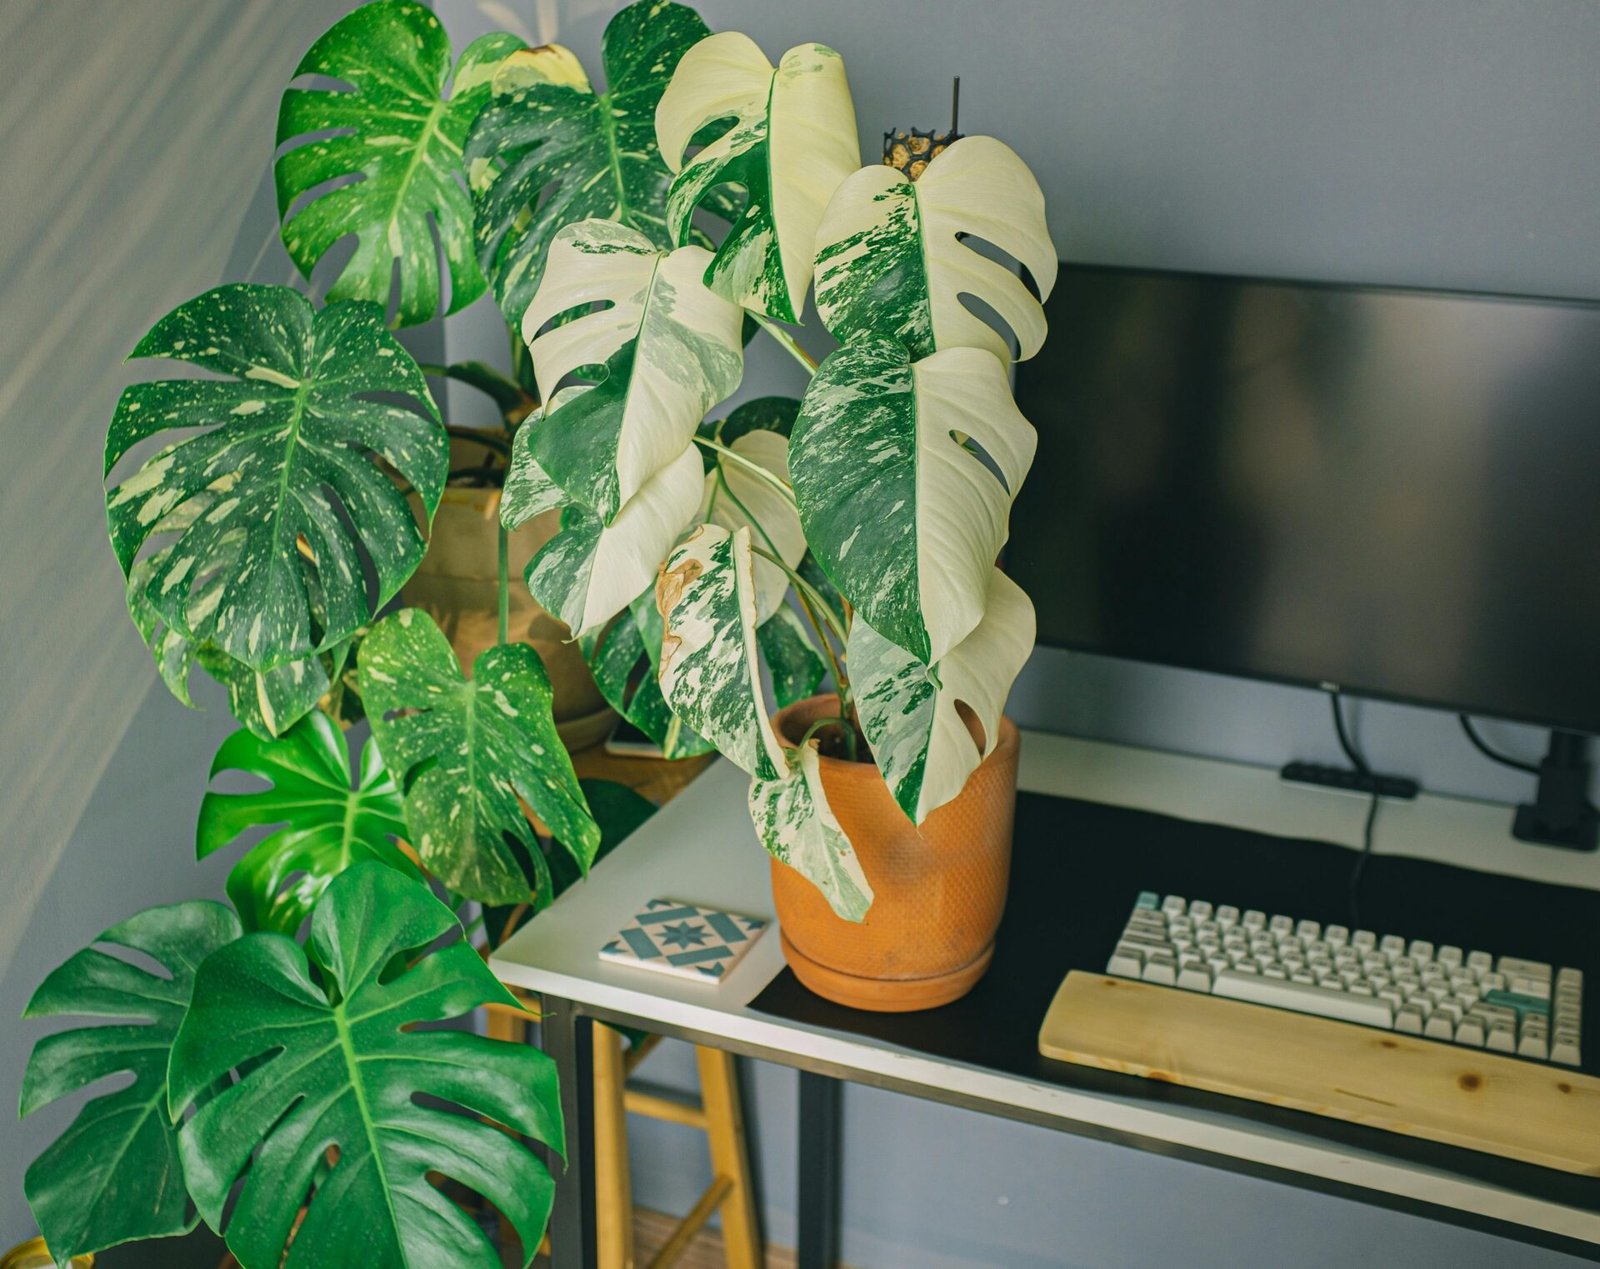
{"points": [[718, 1114]]}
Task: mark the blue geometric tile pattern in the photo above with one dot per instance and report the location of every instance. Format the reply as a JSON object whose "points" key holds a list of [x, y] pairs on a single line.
{"points": [[683, 940]]}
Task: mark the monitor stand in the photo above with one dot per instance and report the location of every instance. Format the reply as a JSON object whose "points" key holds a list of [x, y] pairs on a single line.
{"points": [[1561, 813]]}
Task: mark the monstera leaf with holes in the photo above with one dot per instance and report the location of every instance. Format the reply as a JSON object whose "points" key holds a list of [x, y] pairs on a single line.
{"points": [[268, 702], [791, 140], [891, 260], [909, 711], [258, 532], [619, 455], [711, 674], [469, 753], [114, 1175], [400, 136], [327, 1114], [910, 537], [323, 826], [549, 151]]}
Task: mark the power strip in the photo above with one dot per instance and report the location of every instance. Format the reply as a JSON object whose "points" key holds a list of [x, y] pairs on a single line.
{"points": [[1347, 780]]}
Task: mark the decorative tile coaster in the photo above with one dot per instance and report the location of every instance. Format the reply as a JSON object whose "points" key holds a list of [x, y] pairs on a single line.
{"points": [[684, 940]]}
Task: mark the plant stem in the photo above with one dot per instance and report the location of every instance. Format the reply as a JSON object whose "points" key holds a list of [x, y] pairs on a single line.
{"points": [[505, 581], [788, 341], [812, 603], [749, 465], [479, 436], [844, 725]]}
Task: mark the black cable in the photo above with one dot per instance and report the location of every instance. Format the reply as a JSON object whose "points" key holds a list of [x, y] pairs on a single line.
{"points": [[1478, 743], [1356, 760], [1360, 764]]}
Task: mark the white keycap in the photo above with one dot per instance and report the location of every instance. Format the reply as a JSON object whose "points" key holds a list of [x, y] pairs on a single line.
{"points": [[1254, 919], [1173, 906], [1565, 1050], [1481, 962], [1162, 971], [1420, 950], [1200, 909], [1501, 1040], [1336, 935], [1408, 1020], [1195, 976], [1227, 915], [1570, 978], [1392, 946], [1126, 962], [1439, 1027], [1449, 956], [1470, 1032], [1528, 985], [1364, 940], [1317, 1000], [1512, 967], [1532, 1045], [1279, 926], [1307, 930]]}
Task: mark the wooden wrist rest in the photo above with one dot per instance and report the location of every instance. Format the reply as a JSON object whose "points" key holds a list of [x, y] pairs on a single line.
{"points": [[1524, 1110]]}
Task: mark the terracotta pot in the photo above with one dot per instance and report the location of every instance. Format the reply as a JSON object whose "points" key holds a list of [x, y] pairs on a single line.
{"points": [[939, 890], [457, 585]]}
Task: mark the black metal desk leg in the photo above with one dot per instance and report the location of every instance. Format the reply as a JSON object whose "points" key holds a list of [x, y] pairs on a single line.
{"points": [[818, 1217], [569, 1039]]}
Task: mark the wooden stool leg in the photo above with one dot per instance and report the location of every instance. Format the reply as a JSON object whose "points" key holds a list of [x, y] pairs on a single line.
{"points": [[613, 1199], [719, 1095]]}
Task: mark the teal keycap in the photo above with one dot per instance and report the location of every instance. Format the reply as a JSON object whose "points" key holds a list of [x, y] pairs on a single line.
{"points": [[1524, 1005], [1147, 900]]}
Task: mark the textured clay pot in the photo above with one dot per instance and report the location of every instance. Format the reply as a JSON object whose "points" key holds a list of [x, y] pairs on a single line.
{"points": [[457, 584], [938, 890]]}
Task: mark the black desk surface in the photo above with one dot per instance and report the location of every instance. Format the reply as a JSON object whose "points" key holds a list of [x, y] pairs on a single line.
{"points": [[1076, 870]]}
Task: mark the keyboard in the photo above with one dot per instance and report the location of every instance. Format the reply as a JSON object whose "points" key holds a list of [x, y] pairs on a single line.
{"points": [[1521, 1008]]}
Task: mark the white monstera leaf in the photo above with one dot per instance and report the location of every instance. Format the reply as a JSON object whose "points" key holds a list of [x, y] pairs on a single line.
{"points": [[590, 571], [891, 260], [669, 346], [909, 712], [792, 140], [905, 473], [737, 495], [710, 674]]}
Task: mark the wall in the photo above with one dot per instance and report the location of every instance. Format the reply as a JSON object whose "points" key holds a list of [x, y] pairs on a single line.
{"points": [[137, 139], [1442, 144]]}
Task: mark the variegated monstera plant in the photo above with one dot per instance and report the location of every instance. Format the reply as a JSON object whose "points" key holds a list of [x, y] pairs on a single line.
{"points": [[273, 1081], [857, 527]]}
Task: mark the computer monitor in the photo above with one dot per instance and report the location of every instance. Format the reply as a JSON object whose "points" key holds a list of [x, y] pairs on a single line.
{"points": [[1391, 492]]}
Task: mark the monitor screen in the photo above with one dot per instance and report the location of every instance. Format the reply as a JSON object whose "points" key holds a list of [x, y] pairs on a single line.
{"points": [[1396, 493]]}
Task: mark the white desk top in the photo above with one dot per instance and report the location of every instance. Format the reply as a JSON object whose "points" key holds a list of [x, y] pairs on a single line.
{"points": [[701, 847]]}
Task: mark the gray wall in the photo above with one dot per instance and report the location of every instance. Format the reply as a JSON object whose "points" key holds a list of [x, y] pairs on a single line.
{"points": [[1445, 144], [136, 138]]}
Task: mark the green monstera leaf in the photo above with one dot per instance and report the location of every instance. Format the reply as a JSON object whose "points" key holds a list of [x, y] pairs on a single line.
{"points": [[711, 674], [549, 151], [327, 1114], [623, 657], [910, 538], [466, 751], [323, 825], [114, 1175], [791, 141], [909, 711], [268, 702], [396, 131], [891, 260], [285, 498]]}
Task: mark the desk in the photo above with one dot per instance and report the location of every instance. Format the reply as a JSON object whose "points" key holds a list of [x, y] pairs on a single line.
{"points": [[701, 847]]}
